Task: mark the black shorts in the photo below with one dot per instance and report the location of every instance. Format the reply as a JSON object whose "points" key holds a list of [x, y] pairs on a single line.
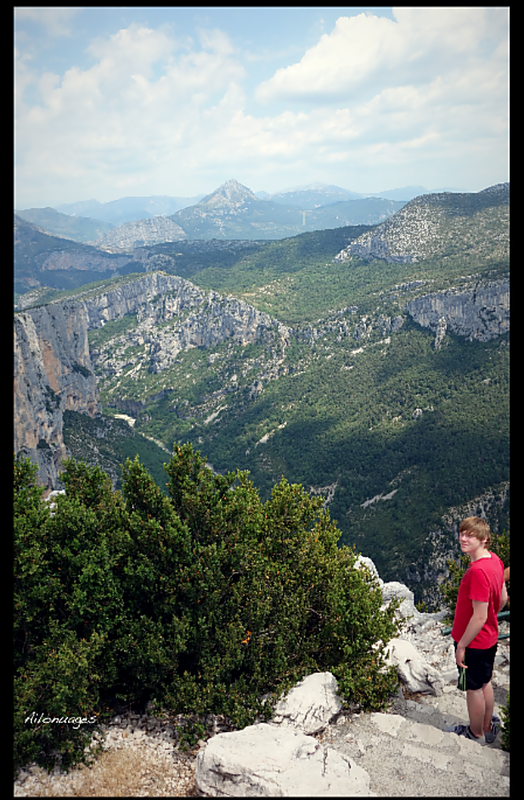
{"points": [[479, 666]]}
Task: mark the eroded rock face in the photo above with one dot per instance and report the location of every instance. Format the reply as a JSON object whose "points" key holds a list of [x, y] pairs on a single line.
{"points": [[481, 313], [52, 374], [413, 670], [198, 318], [54, 369]]}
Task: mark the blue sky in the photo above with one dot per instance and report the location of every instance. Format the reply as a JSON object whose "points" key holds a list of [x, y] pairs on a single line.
{"points": [[112, 102]]}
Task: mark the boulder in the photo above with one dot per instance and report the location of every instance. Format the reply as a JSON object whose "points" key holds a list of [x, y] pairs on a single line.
{"points": [[407, 609], [310, 705], [413, 669], [269, 761], [364, 562]]}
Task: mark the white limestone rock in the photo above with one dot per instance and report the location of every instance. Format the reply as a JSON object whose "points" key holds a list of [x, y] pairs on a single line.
{"points": [[310, 705], [268, 761], [366, 563], [394, 589], [413, 669]]}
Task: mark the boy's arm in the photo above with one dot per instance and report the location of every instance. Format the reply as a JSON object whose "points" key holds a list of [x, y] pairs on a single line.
{"points": [[475, 625], [503, 597]]}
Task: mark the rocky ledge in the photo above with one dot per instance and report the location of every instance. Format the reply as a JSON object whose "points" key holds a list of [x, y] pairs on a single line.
{"points": [[312, 747]]}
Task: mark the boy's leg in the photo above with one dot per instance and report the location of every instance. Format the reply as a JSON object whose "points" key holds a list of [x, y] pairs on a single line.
{"points": [[476, 710], [489, 700]]}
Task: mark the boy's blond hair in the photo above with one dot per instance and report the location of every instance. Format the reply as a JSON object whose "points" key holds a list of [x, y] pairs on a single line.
{"points": [[478, 528]]}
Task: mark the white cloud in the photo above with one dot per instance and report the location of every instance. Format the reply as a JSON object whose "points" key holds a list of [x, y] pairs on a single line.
{"points": [[154, 114], [141, 106], [366, 53]]}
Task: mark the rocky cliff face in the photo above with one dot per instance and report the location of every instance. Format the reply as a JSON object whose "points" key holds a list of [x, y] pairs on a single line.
{"points": [[37, 252], [52, 373], [54, 370], [480, 313], [54, 367], [172, 315]]}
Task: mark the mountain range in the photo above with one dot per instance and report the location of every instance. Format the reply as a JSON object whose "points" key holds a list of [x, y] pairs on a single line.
{"points": [[90, 220], [128, 209], [234, 211], [369, 364]]}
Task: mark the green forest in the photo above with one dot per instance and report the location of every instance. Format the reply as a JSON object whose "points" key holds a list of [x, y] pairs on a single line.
{"points": [[350, 418]]}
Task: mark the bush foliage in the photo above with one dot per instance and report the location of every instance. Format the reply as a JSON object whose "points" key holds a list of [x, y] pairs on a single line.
{"points": [[504, 711], [204, 599]]}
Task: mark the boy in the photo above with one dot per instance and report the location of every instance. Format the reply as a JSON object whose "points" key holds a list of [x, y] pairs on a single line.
{"points": [[482, 594]]}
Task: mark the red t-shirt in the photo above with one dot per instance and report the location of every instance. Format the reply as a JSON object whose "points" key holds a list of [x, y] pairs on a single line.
{"points": [[482, 581]]}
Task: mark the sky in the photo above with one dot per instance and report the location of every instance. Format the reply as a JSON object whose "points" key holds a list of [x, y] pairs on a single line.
{"points": [[113, 102]]}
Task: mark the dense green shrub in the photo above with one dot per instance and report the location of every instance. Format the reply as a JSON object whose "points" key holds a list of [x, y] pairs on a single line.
{"points": [[505, 728], [205, 600]]}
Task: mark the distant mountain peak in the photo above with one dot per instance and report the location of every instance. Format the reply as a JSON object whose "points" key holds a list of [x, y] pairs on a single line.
{"points": [[230, 192]]}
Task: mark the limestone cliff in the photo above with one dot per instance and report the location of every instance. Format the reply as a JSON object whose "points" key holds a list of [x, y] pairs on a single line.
{"points": [[480, 313], [197, 318], [54, 369], [52, 374]]}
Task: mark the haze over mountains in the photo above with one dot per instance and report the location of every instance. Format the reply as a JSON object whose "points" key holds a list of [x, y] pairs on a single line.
{"points": [[89, 220], [361, 361]]}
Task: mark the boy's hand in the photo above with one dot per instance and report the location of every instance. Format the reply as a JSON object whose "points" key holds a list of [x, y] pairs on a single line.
{"points": [[460, 652]]}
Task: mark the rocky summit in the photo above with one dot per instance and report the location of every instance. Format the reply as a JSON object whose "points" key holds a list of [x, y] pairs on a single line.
{"points": [[230, 194]]}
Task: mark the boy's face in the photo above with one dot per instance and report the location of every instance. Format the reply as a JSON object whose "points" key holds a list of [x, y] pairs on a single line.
{"points": [[471, 545]]}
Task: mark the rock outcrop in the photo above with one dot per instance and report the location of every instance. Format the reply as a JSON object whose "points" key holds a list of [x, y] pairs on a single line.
{"points": [[52, 373], [480, 313], [310, 705], [264, 761]]}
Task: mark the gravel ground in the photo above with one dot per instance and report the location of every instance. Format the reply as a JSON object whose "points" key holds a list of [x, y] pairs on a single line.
{"points": [[140, 757]]}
